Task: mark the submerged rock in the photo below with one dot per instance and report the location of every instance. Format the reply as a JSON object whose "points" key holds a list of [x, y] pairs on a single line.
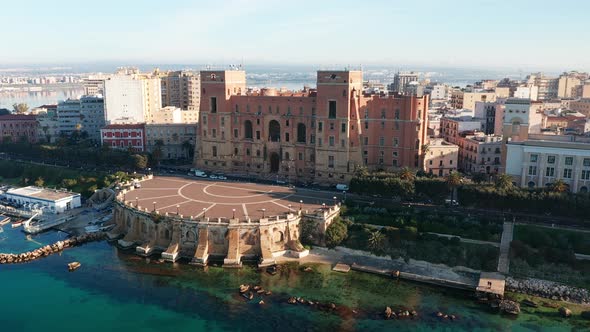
{"points": [[565, 312]]}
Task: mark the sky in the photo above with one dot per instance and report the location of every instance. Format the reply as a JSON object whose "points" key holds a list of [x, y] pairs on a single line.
{"points": [[525, 34]]}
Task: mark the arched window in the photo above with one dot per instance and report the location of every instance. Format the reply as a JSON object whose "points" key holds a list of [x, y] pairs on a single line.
{"points": [[301, 133], [584, 189], [531, 184], [287, 156], [274, 131], [248, 129]]}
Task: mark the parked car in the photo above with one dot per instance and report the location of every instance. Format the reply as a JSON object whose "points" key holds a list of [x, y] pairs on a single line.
{"points": [[221, 177], [213, 177]]}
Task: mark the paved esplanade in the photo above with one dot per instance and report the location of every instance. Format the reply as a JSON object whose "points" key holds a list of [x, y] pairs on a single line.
{"points": [[227, 199]]}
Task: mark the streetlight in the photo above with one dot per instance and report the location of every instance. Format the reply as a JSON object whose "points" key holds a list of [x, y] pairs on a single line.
{"points": [[204, 210], [323, 205], [344, 193], [233, 213], [335, 201], [136, 202], [263, 210], [177, 209], [300, 205], [154, 206], [290, 208]]}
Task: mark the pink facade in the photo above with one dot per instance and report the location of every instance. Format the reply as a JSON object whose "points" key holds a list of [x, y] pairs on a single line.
{"points": [[124, 136], [18, 127], [319, 135]]}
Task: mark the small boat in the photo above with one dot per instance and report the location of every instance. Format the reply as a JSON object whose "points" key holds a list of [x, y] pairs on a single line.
{"points": [[73, 266], [17, 223], [4, 220]]}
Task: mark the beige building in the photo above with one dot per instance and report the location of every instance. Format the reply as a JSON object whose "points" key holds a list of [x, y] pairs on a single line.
{"points": [[171, 114], [480, 153], [180, 89], [466, 100], [131, 97], [177, 140], [441, 157]]}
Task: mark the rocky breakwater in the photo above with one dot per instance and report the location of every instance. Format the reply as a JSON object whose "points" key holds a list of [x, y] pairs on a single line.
{"points": [[50, 249], [548, 289]]}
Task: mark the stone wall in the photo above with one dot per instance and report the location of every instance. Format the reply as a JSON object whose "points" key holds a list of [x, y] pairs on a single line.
{"points": [[198, 239]]}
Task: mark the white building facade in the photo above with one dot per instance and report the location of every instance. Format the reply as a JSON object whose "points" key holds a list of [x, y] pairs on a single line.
{"points": [[49, 200]]}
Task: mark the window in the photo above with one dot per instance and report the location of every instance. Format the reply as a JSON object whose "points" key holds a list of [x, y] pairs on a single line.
{"points": [[300, 156], [343, 127], [332, 109], [248, 129], [381, 141], [430, 162], [586, 162], [223, 121], [214, 133], [257, 153], [319, 141], [532, 170], [235, 133], [331, 140], [395, 153], [366, 140], [286, 137], [585, 175], [396, 114], [214, 151], [550, 159], [320, 126], [247, 152], [395, 141], [258, 134], [382, 114], [213, 104], [287, 156], [235, 151], [396, 125], [286, 123], [301, 133], [204, 119], [366, 125], [331, 125], [567, 173], [550, 171], [569, 161], [534, 158], [331, 161], [312, 139]]}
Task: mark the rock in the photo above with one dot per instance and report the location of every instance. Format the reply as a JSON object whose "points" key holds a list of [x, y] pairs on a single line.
{"points": [[453, 317], [439, 314], [388, 312], [529, 303], [307, 269], [261, 302], [565, 312], [332, 306], [292, 300], [244, 288], [250, 296], [268, 293], [413, 313], [510, 307], [256, 288]]}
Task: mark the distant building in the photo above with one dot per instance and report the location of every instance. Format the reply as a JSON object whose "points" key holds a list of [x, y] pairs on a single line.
{"points": [[131, 97], [18, 128], [92, 115], [180, 89], [177, 140], [582, 106], [124, 136], [452, 127], [547, 86], [441, 157], [466, 99], [401, 79], [68, 116], [47, 123], [437, 92], [480, 153], [54, 201], [491, 114], [171, 114]]}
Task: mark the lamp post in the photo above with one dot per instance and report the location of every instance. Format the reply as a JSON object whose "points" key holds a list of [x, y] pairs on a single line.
{"points": [[263, 210], [154, 206], [335, 201], [177, 209], [136, 202], [204, 210], [290, 208], [324, 206], [233, 213], [344, 193], [300, 205]]}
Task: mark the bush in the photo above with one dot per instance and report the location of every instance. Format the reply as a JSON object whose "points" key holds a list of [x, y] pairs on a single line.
{"points": [[336, 233]]}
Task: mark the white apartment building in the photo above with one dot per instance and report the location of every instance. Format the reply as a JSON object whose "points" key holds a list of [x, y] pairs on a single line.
{"points": [[539, 162], [131, 98]]}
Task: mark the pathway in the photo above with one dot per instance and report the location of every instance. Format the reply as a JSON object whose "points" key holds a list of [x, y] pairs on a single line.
{"points": [[504, 260]]}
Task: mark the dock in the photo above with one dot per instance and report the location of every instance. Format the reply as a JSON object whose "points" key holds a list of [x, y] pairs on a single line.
{"points": [[341, 267], [491, 284]]}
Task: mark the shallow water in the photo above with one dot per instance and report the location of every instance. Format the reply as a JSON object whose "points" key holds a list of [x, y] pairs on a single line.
{"points": [[118, 291]]}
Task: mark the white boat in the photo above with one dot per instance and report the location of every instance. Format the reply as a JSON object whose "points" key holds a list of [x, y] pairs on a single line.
{"points": [[40, 226], [4, 220]]}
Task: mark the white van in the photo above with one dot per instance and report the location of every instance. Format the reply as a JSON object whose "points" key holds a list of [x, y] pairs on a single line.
{"points": [[342, 187]]}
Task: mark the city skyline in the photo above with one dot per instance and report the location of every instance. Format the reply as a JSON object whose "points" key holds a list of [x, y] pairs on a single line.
{"points": [[457, 34]]}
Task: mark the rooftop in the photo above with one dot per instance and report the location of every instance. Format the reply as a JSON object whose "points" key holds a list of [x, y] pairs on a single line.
{"points": [[17, 117], [41, 193]]}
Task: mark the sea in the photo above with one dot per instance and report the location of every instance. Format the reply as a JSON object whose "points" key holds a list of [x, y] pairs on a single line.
{"points": [[119, 291]]}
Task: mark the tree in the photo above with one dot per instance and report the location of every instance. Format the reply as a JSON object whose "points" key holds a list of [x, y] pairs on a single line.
{"points": [[376, 241], [336, 233], [361, 171], [139, 161], [157, 152], [39, 182], [503, 181], [4, 111], [479, 177], [190, 149], [559, 186], [454, 180], [20, 108], [407, 174]]}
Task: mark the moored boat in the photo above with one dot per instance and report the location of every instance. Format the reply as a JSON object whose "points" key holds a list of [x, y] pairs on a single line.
{"points": [[4, 220]]}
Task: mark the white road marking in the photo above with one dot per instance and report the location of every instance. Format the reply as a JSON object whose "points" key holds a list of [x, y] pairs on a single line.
{"points": [[207, 209], [245, 210], [165, 207]]}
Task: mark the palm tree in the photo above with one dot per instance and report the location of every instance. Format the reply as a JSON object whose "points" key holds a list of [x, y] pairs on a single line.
{"points": [[157, 151], [376, 241], [559, 186], [454, 180], [407, 174], [190, 150], [504, 181]]}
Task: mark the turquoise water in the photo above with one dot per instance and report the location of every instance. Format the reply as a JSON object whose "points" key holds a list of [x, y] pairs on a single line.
{"points": [[115, 291]]}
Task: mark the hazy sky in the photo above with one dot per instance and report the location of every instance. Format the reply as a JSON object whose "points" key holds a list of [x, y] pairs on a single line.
{"points": [[543, 34]]}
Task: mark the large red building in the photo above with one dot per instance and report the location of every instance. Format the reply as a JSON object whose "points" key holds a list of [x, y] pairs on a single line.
{"points": [[18, 128], [320, 135], [124, 136]]}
